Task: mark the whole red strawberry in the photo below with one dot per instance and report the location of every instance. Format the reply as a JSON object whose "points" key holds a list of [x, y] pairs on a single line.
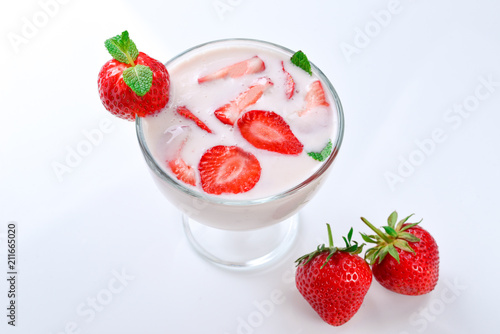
{"points": [[334, 281], [132, 83], [413, 265]]}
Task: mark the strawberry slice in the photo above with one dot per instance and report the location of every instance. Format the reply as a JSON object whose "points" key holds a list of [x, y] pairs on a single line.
{"points": [[315, 97], [249, 66], [289, 83], [267, 130], [228, 169], [185, 112], [230, 112], [183, 171]]}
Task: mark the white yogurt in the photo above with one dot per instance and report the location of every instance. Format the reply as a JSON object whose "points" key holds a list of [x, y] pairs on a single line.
{"points": [[168, 133], [279, 171]]}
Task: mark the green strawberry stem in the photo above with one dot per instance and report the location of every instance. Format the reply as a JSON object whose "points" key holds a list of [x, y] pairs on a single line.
{"points": [[331, 249], [376, 230], [330, 237], [386, 243]]}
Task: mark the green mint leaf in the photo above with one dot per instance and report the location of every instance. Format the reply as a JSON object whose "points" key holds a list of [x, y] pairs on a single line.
{"points": [[139, 78], [122, 48], [325, 152], [300, 59]]}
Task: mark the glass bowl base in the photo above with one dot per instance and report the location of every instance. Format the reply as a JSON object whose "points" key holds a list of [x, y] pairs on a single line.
{"points": [[241, 249]]}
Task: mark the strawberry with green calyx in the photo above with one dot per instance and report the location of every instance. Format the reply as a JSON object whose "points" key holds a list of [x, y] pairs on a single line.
{"points": [[132, 83], [412, 267], [333, 280]]}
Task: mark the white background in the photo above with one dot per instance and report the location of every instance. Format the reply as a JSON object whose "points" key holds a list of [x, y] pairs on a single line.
{"points": [[101, 251]]}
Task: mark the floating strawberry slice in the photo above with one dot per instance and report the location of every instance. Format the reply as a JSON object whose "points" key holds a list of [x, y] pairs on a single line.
{"points": [[315, 97], [228, 169], [183, 171], [289, 83], [249, 66], [229, 113], [268, 131], [185, 112]]}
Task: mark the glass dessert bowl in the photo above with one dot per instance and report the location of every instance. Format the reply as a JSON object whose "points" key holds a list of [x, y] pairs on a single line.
{"points": [[252, 228]]}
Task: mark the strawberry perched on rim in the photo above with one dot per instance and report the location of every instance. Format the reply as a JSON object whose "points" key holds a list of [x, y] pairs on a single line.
{"points": [[412, 267], [333, 280], [132, 83]]}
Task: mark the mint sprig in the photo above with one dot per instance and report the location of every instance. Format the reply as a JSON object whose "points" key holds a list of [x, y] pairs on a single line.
{"points": [[299, 59], [138, 77], [122, 48], [325, 152]]}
